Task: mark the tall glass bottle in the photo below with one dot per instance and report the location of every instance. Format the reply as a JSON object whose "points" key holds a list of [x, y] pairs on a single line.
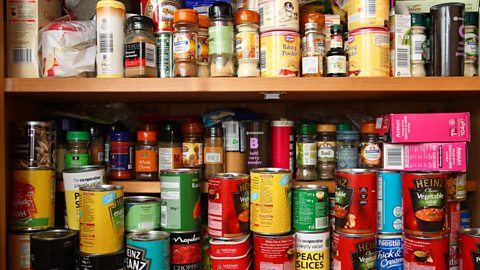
{"points": [[336, 56]]}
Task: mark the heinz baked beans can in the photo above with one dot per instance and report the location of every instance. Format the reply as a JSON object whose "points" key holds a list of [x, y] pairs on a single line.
{"points": [[457, 187], [185, 250], [424, 203], [148, 251], [353, 251], [470, 249], [426, 253], [270, 201], [368, 13], [280, 54], [274, 252], [19, 250], [142, 213], [312, 250], [310, 208], [389, 202], [368, 52], [112, 261], [453, 222], [228, 205], [389, 252], [283, 147], [355, 199], [54, 249]]}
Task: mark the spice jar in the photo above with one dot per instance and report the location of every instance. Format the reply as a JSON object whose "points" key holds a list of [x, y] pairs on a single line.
{"points": [[202, 46], [370, 151], [97, 146], [192, 146], [121, 155], [326, 147], [78, 149], [140, 48], [336, 56], [146, 155], [347, 149], [213, 151], [312, 58], [247, 47], [418, 41], [169, 146], [185, 43], [319, 19], [220, 40], [471, 44], [306, 152]]}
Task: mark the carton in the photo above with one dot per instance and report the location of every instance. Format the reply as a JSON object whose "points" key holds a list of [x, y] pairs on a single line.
{"points": [[400, 25], [329, 21], [24, 19], [423, 6]]}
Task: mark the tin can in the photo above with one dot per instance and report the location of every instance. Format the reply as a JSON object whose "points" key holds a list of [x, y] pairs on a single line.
{"points": [[180, 200], [230, 248], [283, 145], [205, 239], [453, 257], [424, 203], [19, 251], [426, 252], [274, 252], [164, 48], [353, 251], [257, 144], [331, 210], [465, 218], [142, 213], [185, 250], [389, 252], [278, 15], [73, 179], [470, 251], [101, 219], [453, 221], [161, 12], [54, 249], [457, 187], [114, 261], [235, 144], [279, 54], [242, 262], [148, 251], [32, 199], [33, 144], [389, 202], [368, 52], [312, 250], [270, 201], [310, 208], [355, 197], [368, 13], [228, 205]]}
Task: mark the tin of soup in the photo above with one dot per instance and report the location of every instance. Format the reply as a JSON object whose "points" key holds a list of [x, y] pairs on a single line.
{"points": [[33, 144], [353, 251], [457, 187], [389, 252], [424, 203], [148, 251], [312, 250], [54, 249], [470, 249], [112, 261], [368, 13], [310, 208], [453, 221], [280, 54], [389, 202], [185, 250], [274, 252], [142, 213], [19, 251], [355, 197], [368, 52], [425, 253], [278, 15]]}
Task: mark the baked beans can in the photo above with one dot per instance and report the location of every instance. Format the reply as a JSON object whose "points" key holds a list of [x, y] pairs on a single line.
{"points": [[353, 251], [310, 208], [424, 203], [101, 219], [457, 187], [112, 261], [355, 198], [312, 250], [164, 51], [389, 203], [185, 250], [230, 248], [54, 249], [274, 252], [278, 15], [142, 213], [19, 251], [270, 201], [368, 52], [465, 218], [180, 200], [453, 257], [257, 144], [283, 147], [279, 54], [453, 221], [426, 253], [389, 251], [32, 199], [161, 12], [148, 251], [228, 205], [368, 13], [33, 144], [469, 249]]}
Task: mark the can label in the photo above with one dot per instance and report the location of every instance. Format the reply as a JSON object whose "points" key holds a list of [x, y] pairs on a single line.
{"points": [[424, 253], [470, 247], [313, 251], [169, 158], [192, 154], [389, 202], [19, 251], [390, 252], [278, 15], [146, 160], [234, 137], [184, 46], [368, 53], [367, 13], [453, 257], [352, 253], [310, 209], [231, 248], [161, 12], [274, 252], [457, 187], [280, 54], [185, 251], [148, 255], [220, 40], [454, 221], [142, 216], [247, 46], [164, 49]]}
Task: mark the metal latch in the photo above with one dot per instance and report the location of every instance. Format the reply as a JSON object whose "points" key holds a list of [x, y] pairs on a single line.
{"points": [[272, 95]]}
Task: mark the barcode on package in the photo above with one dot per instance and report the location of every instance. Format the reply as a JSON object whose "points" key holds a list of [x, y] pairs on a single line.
{"points": [[403, 59], [213, 158], [321, 223], [163, 215], [22, 56], [393, 156], [106, 42], [150, 55], [371, 8], [263, 59]]}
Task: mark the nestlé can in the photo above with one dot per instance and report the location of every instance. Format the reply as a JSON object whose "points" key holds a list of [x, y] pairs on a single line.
{"points": [[389, 252]]}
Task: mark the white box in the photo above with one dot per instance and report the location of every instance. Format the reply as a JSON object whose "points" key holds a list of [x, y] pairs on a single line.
{"points": [[400, 45]]}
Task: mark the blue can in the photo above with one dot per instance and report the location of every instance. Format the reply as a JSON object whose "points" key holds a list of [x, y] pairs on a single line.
{"points": [[389, 252], [148, 251], [389, 202], [465, 217]]}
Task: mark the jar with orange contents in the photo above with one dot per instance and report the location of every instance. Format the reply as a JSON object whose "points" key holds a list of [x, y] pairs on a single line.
{"points": [[185, 43], [121, 155], [192, 152]]}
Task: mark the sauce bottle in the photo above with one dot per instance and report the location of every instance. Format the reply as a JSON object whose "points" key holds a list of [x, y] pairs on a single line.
{"points": [[336, 56]]}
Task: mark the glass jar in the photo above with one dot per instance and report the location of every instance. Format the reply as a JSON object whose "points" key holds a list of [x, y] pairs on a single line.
{"points": [[326, 147], [306, 152], [140, 48], [78, 149], [146, 156], [312, 58], [418, 41], [202, 46], [471, 44], [169, 146], [371, 151], [336, 56], [121, 155], [213, 151], [347, 149], [97, 145], [185, 43], [220, 40], [192, 146], [247, 46]]}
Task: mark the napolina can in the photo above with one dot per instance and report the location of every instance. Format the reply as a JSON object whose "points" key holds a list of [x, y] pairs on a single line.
{"points": [[312, 250], [274, 252], [470, 249], [426, 253], [353, 251], [185, 250], [148, 251]]}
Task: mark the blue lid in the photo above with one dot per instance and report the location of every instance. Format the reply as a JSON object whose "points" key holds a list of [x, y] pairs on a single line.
{"points": [[120, 136], [348, 135]]}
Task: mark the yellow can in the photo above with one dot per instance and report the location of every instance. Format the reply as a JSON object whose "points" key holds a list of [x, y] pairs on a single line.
{"points": [[368, 13], [270, 201], [101, 219], [280, 54], [33, 199], [368, 52], [313, 250], [19, 251]]}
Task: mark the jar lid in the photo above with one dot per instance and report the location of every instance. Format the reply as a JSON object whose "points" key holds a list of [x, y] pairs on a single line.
{"points": [[311, 27], [471, 18], [312, 17], [336, 29], [247, 16], [78, 136], [326, 128], [214, 132], [220, 10], [139, 22], [419, 19], [203, 21], [185, 15], [306, 129], [110, 3], [344, 126], [347, 135], [192, 127], [146, 135], [368, 127], [120, 136]]}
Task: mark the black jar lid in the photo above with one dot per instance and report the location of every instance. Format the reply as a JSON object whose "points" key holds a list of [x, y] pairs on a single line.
{"points": [[139, 23], [220, 10]]}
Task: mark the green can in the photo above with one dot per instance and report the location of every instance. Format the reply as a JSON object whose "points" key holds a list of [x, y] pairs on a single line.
{"points": [[142, 213], [164, 43], [310, 208], [180, 200]]}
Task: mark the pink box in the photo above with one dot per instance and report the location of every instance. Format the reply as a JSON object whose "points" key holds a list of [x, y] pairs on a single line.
{"points": [[445, 157], [425, 127]]}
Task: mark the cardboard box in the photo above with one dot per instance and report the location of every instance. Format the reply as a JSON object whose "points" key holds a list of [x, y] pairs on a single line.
{"points": [[24, 19], [329, 21], [445, 157], [424, 127], [423, 6], [400, 45]]}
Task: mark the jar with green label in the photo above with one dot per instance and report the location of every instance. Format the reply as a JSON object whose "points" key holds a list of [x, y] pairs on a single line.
{"points": [[306, 152], [220, 40], [78, 149]]}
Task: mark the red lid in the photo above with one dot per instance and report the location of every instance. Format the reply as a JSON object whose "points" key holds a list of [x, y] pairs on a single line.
{"points": [[185, 15], [368, 127]]}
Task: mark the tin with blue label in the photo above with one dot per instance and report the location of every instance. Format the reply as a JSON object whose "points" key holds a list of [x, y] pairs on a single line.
{"points": [[148, 251], [465, 218], [389, 252], [389, 201]]}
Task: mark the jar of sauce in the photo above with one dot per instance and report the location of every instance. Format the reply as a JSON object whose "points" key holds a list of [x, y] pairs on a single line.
{"points": [[121, 155]]}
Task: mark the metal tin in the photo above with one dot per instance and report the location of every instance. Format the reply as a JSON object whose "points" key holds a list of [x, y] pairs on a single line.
{"points": [[280, 54], [426, 252], [274, 252], [389, 202], [101, 219], [453, 221], [32, 199], [312, 250], [54, 249], [453, 257], [368, 52], [270, 201], [353, 251], [19, 251], [470, 251], [148, 251], [185, 250], [161, 12], [465, 218], [424, 203], [113, 261], [242, 262], [231, 248], [142, 213], [164, 48], [180, 200], [457, 187], [278, 15], [228, 205], [368, 13], [310, 208], [283, 147], [257, 144], [33, 144], [355, 197], [389, 252]]}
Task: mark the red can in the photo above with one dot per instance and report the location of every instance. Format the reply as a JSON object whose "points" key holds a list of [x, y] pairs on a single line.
{"points": [[241, 262], [185, 250], [424, 203], [161, 12], [282, 153], [453, 257], [274, 252], [353, 251], [469, 249], [230, 248], [228, 205], [453, 222], [426, 253], [355, 199]]}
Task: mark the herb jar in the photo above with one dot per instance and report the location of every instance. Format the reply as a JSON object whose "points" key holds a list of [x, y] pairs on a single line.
{"points": [[247, 46], [347, 149], [121, 155], [220, 40], [370, 150], [146, 156], [471, 44], [312, 57], [185, 43], [418, 41], [306, 152], [140, 48], [213, 151], [78, 149], [326, 147]]}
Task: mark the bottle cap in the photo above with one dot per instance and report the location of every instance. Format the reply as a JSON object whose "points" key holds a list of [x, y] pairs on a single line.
{"points": [[419, 19], [78, 136], [203, 21], [146, 135], [214, 132], [306, 129], [110, 4], [311, 27], [368, 127], [471, 18], [192, 127], [336, 29], [220, 10], [120, 136], [247, 16], [185, 15], [350, 135], [326, 128], [139, 22], [344, 126]]}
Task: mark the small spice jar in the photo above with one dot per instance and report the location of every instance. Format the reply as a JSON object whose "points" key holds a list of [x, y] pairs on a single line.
{"points": [[247, 46], [220, 40], [97, 145], [121, 155], [312, 58], [347, 149], [185, 43], [78, 149], [140, 48], [326, 147], [146, 155], [306, 151], [202, 47], [213, 151], [418, 41], [169, 146], [370, 151], [471, 44], [192, 146]]}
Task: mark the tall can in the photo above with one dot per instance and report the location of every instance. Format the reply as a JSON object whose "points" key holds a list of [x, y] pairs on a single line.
{"points": [[353, 251], [389, 252], [470, 249], [310, 208], [453, 222], [274, 252], [389, 202], [312, 250], [18, 251], [368, 13], [185, 250], [257, 144], [148, 251], [54, 249], [283, 148], [426, 252], [164, 50], [180, 200]]}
